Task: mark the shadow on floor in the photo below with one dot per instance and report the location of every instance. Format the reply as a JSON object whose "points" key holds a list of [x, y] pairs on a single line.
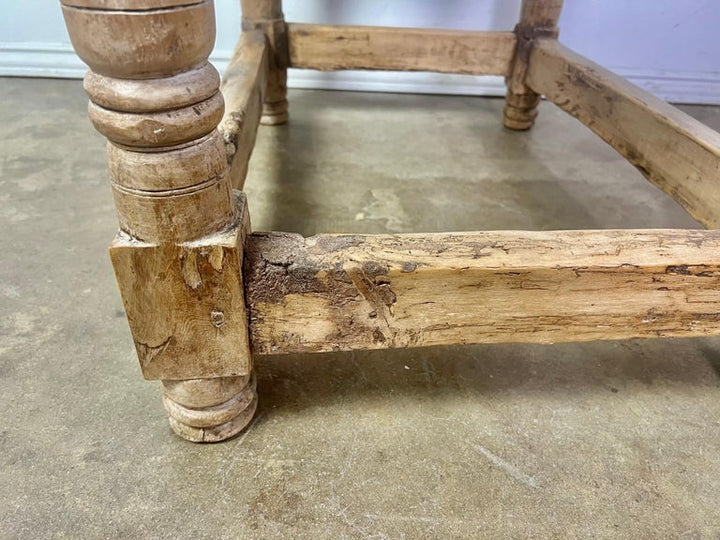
{"points": [[574, 370]]}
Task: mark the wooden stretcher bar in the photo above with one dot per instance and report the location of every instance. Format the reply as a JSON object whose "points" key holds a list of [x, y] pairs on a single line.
{"points": [[202, 294], [346, 292], [314, 46], [243, 88], [674, 151]]}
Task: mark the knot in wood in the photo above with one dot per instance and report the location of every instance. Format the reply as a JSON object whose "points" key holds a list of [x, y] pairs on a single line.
{"points": [[217, 318]]}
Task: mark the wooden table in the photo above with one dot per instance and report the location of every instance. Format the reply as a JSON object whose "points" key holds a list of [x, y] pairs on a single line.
{"points": [[203, 295]]}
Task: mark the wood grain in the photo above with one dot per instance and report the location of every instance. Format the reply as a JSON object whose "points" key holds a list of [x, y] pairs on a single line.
{"points": [[161, 128], [155, 97], [185, 303], [672, 150], [144, 43], [324, 47], [345, 292], [243, 88], [148, 95], [178, 254]]}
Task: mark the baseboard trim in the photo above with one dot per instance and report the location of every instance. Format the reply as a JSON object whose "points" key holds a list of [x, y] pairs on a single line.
{"points": [[59, 61]]}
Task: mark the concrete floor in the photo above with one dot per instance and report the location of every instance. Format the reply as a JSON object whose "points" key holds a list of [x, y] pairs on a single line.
{"points": [[613, 439]]}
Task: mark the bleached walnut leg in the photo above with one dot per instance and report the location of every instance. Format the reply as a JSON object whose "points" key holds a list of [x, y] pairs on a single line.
{"points": [[210, 410], [267, 15], [178, 254], [537, 18]]}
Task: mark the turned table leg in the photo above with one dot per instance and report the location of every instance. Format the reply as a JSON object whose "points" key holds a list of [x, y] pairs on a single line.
{"points": [[210, 410], [178, 255], [267, 15], [537, 18]]}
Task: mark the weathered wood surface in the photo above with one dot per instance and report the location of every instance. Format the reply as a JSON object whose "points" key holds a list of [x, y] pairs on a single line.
{"points": [[185, 302], [672, 150], [267, 16], [155, 97], [243, 88], [344, 292], [405, 49], [537, 18], [210, 410], [178, 255], [144, 42]]}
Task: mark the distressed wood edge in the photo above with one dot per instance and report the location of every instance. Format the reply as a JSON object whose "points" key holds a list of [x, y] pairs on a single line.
{"points": [[185, 302], [386, 48], [553, 64], [354, 292], [243, 87]]}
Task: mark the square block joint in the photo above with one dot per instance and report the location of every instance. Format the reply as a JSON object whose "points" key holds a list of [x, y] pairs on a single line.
{"points": [[185, 303]]}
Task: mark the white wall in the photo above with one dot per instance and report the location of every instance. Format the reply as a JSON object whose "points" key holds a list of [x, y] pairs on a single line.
{"points": [[668, 46]]}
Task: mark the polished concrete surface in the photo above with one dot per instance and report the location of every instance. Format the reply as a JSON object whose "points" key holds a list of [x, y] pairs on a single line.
{"points": [[595, 440]]}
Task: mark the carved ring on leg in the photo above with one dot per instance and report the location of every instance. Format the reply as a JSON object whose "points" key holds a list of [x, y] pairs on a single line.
{"points": [[274, 114], [520, 110], [210, 410]]}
